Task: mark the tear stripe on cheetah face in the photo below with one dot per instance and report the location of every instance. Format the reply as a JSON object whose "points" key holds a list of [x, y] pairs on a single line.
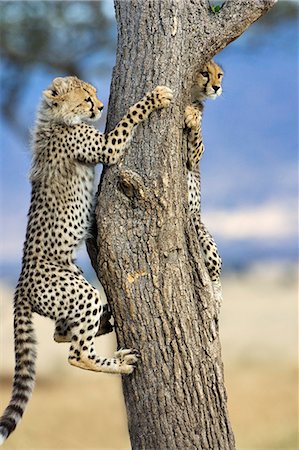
{"points": [[65, 151], [208, 82], [70, 100]]}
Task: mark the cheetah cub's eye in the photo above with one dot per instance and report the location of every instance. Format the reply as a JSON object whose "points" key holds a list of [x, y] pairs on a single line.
{"points": [[205, 74], [88, 99], [220, 75]]}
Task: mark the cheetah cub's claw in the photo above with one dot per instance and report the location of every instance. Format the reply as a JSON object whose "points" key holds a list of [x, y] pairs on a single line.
{"points": [[162, 96], [192, 117], [125, 359]]}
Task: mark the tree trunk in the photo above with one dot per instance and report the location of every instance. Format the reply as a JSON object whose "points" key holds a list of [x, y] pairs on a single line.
{"points": [[147, 254]]}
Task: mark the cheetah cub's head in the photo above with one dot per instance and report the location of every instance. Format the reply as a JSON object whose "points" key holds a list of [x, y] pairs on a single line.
{"points": [[208, 82], [71, 101]]}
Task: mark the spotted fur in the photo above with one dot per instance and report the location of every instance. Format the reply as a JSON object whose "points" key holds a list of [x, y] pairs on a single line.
{"points": [[207, 85], [66, 147]]}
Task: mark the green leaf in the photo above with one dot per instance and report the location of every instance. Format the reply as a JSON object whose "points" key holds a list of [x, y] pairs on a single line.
{"points": [[215, 8]]}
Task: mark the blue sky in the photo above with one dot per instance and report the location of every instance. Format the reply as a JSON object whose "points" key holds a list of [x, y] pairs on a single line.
{"points": [[249, 168]]}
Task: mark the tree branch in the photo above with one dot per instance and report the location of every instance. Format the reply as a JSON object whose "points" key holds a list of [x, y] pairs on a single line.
{"points": [[233, 19], [216, 30]]}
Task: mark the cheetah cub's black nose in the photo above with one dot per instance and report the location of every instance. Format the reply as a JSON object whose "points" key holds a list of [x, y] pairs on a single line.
{"points": [[100, 108], [216, 88]]}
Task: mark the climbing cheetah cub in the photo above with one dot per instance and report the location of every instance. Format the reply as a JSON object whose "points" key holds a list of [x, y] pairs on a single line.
{"points": [[207, 85], [66, 147]]}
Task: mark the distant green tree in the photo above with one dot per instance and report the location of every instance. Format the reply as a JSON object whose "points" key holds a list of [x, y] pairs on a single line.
{"points": [[56, 35]]}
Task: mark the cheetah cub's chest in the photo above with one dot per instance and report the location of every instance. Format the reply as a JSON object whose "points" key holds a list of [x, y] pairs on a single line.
{"points": [[81, 197]]}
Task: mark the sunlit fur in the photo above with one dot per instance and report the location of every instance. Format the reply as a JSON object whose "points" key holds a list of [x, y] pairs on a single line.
{"points": [[208, 82], [71, 101]]}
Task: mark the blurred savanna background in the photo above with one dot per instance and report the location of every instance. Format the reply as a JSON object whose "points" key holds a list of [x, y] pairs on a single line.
{"points": [[249, 195]]}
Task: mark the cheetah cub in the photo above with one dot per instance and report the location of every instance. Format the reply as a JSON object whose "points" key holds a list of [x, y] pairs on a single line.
{"points": [[66, 147], [207, 85]]}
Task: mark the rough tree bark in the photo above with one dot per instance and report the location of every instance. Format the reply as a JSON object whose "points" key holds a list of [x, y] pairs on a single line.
{"points": [[146, 252]]}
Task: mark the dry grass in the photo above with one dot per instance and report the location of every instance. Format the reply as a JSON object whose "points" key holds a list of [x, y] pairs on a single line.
{"points": [[87, 412], [73, 413], [263, 407]]}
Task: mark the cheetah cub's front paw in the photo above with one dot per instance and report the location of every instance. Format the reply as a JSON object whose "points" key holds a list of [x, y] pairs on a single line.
{"points": [[125, 359], [192, 117], [162, 96]]}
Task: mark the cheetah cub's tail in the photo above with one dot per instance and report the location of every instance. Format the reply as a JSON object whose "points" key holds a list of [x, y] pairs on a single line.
{"points": [[24, 378]]}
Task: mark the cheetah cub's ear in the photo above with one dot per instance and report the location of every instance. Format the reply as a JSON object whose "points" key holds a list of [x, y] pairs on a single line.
{"points": [[55, 93], [51, 96]]}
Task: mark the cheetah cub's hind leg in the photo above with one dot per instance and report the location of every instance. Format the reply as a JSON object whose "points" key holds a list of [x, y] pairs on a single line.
{"points": [[105, 326], [80, 322], [84, 319], [63, 331]]}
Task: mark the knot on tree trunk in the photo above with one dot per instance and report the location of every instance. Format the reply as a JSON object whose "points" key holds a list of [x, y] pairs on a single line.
{"points": [[132, 185]]}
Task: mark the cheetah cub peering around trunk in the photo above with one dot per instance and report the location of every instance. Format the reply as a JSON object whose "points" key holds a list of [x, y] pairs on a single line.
{"points": [[65, 150], [207, 85]]}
